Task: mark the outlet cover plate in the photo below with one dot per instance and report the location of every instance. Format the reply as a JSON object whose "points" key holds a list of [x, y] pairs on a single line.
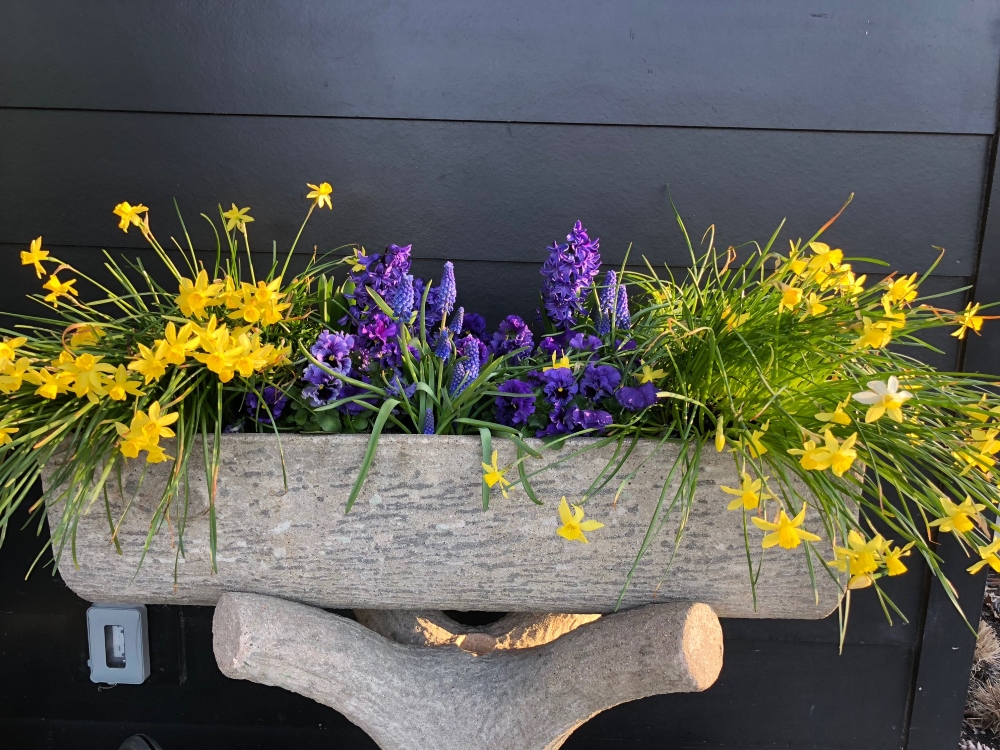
{"points": [[118, 635]]}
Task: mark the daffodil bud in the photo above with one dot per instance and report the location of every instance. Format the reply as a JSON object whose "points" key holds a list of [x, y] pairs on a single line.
{"points": [[720, 438]]}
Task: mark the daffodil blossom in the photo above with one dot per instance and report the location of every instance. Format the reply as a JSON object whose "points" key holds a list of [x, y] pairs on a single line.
{"points": [[968, 321], [237, 218], [958, 518], [883, 398], [493, 474], [785, 531], [990, 555], [573, 523], [320, 194], [748, 494], [34, 255]]}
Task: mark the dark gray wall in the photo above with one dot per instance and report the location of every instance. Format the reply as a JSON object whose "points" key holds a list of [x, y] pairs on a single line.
{"points": [[479, 131]]}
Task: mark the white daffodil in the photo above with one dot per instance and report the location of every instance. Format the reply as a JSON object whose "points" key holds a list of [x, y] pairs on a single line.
{"points": [[883, 398]]}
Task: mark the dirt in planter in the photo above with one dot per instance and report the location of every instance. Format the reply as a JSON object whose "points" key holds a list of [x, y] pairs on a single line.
{"points": [[981, 728]]}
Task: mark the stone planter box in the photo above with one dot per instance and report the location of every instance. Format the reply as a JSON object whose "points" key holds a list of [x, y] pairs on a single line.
{"points": [[418, 537]]}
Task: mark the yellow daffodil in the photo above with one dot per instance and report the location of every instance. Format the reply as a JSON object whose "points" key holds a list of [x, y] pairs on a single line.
{"points": [[990, 555], [150, 363], [891, 558], [903, 290], [88, 376], [5, 434], [262, 304], [573, 524], [320, 194], [791, 297], [59, 289], [753, 445], [883, 398], [8, 351], [85, 334], [144, 433], [177, 343], [958, 518], [119, 387], [492, 474], [649, 375], [968, 321], [846, 282], [785, 531], [892, 319], [814, 305], [842, 455], [824, 259], [14, 375], [872, 336], [557, 364], [859, 559], [837, 416], [34, 256], [50, 384], [237, 218], [748, 494], [220, 353], [195, 296], [732, 320], [813, 458], [129, 214]]}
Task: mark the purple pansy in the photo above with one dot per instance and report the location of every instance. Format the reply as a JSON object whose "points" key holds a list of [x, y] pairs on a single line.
{"points": [[638, 398], [599, 381], [512, 334], [273, 398], [516, 409]]}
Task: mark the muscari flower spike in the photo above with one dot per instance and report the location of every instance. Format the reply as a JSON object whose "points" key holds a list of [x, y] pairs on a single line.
{"points": [[445, 294], [466, 369], [429, 421], [606, 303], [457, 321], [442, 348], [402, 300], [622, 318]]}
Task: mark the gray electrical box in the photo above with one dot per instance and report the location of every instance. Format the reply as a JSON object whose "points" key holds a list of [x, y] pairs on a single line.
{"points": [[119, 643]]}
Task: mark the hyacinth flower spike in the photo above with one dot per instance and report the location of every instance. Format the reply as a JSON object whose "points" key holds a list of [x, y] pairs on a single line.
{"points": [[622, 318], [429, 421]]}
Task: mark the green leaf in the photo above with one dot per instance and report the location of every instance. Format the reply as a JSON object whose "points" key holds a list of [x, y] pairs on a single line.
{"points": [[380, 420], [487, 439]]}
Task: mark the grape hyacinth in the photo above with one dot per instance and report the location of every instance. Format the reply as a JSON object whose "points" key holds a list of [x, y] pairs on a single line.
{"points": [[275, 402], [402, 300], [457, 321], [568, 271], [622, 318], [466, 369], [429, 421], [441, 299], [606, 303]]}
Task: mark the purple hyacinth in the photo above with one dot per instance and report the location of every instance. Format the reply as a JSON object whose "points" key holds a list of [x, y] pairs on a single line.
{"points": [[275, 401], [516, 409], [429, 421], [568, 271], [466, 369], [636, 399], [512, 334], [402, 300], [457, 321], [622, 318], [606, 303], [599, 381]]}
